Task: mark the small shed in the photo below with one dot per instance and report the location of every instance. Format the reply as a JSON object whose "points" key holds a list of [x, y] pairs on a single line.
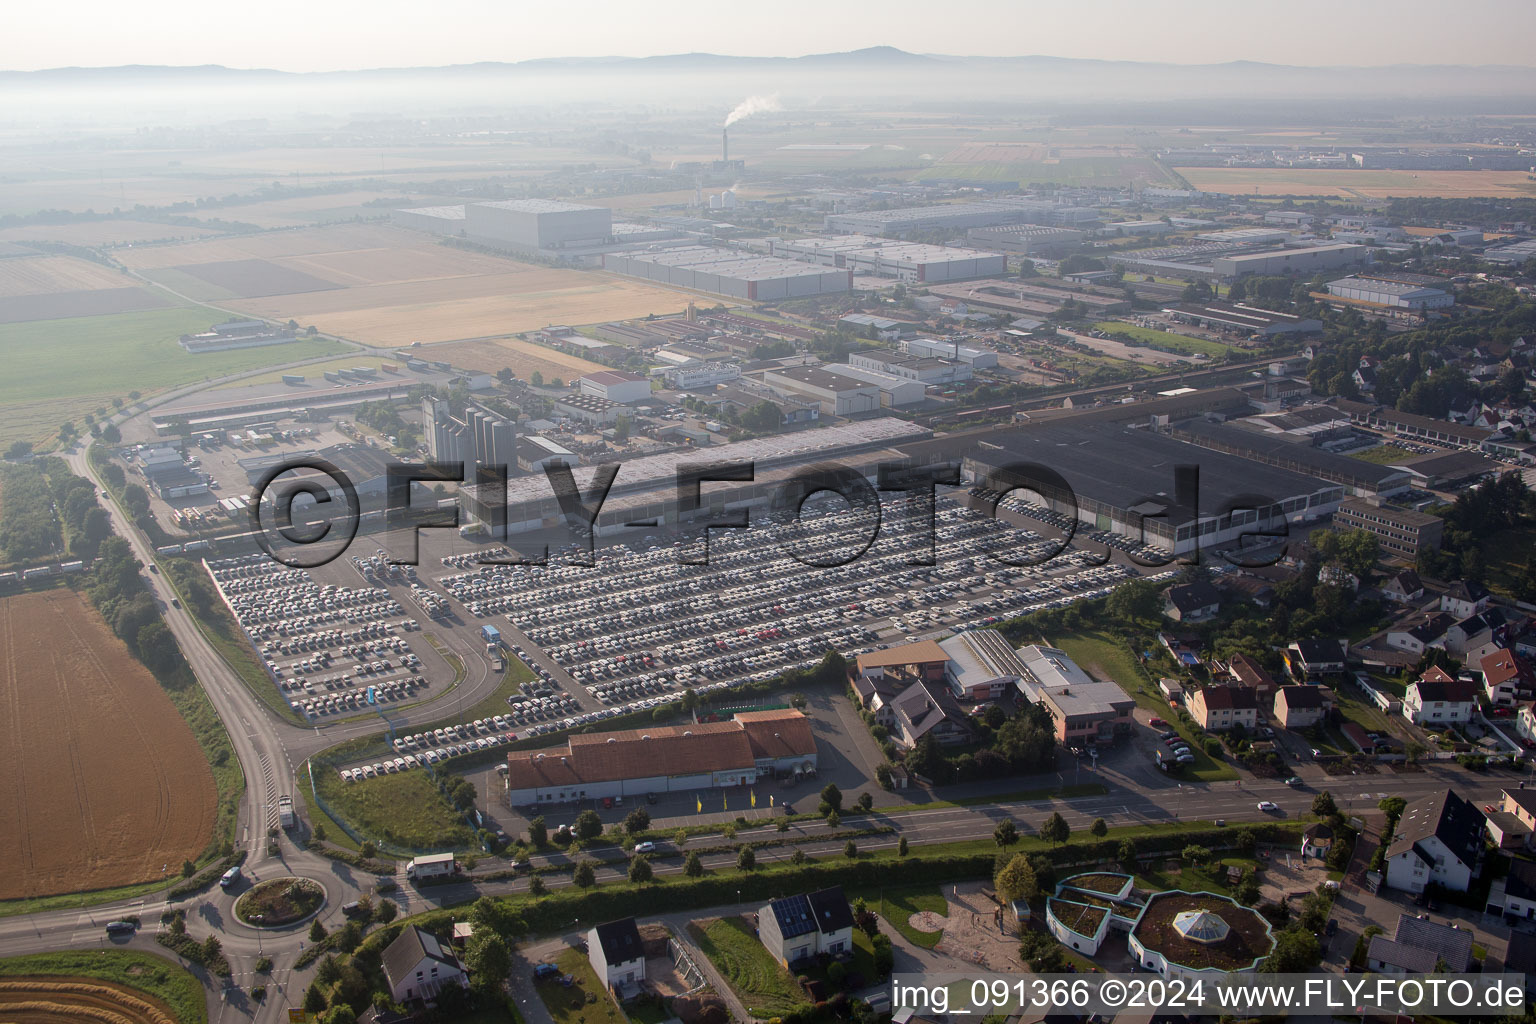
{"points": [[1017, 915]]}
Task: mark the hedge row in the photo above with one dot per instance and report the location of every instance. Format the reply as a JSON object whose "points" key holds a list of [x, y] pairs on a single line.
{"points": [[206, 877], [357, 860]]}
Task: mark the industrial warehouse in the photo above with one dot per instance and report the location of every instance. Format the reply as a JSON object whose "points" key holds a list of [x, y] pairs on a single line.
{"points": [[909, 262], [754, 746], [528, 224], [731, 273], [1125, 480], [646, 488], [991, 213]]}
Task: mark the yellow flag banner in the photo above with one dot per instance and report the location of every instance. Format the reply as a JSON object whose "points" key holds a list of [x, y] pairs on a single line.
{"points": [[754, 798]]}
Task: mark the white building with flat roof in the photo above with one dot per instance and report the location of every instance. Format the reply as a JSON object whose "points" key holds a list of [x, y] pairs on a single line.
{"points": [[1394, 294], [978, 358], [894, 391], [538, 223]]}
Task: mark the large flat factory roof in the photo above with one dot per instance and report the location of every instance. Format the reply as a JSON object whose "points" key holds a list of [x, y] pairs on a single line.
{"points": [[727, 263], [660, 471], [537, 206], [1126, 466], [1270, 446]]}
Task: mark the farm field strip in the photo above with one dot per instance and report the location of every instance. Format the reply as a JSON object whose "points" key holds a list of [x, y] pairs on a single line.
{"points": [[106, 782], [1375, 184], [48, 274], [57, 370], [387, 286]]}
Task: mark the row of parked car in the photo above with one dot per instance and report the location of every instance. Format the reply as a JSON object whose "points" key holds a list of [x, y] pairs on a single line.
{"points": [[747, 612]]}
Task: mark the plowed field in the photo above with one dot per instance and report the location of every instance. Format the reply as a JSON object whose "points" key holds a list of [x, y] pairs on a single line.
{"points": [[101, 781]]}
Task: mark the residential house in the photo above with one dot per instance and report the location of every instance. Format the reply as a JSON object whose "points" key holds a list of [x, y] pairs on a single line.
{"points": [[928, 708], [1219, 708], [1505, 830], [1248, 587], [1439, 842], [1524, 639], [799, 928], [1419, 946], [417, 967], [1506, 679], [1317, 840], [1365, 379], [1309, 659], [1463, 599], [1403, 588], [617, 954], [1245, 671], [1191, 602], [1300, 707], [1525, 723], [1522, 804], [1418, 633], [1484, 630], [880, 676], [1435, 704]]}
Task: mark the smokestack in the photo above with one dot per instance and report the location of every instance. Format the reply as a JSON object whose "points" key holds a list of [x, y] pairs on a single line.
{"points": [[725, 145]]}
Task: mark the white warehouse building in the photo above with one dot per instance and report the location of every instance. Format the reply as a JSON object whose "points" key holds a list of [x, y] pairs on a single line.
{"points": [[911, 262], [929, 348], [729, 272], [894, 391], [437, 220], [618, 386], [538, 223], [697, 373], [837, 395], [1395, 294], [1291, 261]]}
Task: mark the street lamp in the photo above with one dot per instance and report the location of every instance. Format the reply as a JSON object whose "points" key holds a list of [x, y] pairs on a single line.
{"points": [[258, 918]]}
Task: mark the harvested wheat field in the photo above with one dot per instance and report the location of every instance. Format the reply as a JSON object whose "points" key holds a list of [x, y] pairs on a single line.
{"points": [[521, 357], [388, 286], [1359, 183], [77, 1001], [101, 781]]}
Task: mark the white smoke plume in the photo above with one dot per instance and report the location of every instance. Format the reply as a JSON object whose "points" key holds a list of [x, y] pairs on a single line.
{"points": [[753, 105]]}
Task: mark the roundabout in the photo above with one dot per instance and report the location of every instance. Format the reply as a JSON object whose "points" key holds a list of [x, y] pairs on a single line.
{"points": [[279, 902]]}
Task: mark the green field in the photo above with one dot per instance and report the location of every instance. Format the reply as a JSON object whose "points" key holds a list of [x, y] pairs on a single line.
{"points": [[1382, 454], [58, 370], [1166, 340], [403, 810], [760, 981], [156, 976], [571, 1005], [897, 905]]}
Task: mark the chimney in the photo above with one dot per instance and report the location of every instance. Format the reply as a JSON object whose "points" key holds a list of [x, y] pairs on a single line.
{"points": [[725, 144]]}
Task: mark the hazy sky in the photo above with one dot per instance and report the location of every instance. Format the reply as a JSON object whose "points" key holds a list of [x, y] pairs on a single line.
{"points": [[317, 35]]}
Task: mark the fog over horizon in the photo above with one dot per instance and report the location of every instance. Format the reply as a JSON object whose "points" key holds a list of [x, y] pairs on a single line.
{"points": [[820, 85]]}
